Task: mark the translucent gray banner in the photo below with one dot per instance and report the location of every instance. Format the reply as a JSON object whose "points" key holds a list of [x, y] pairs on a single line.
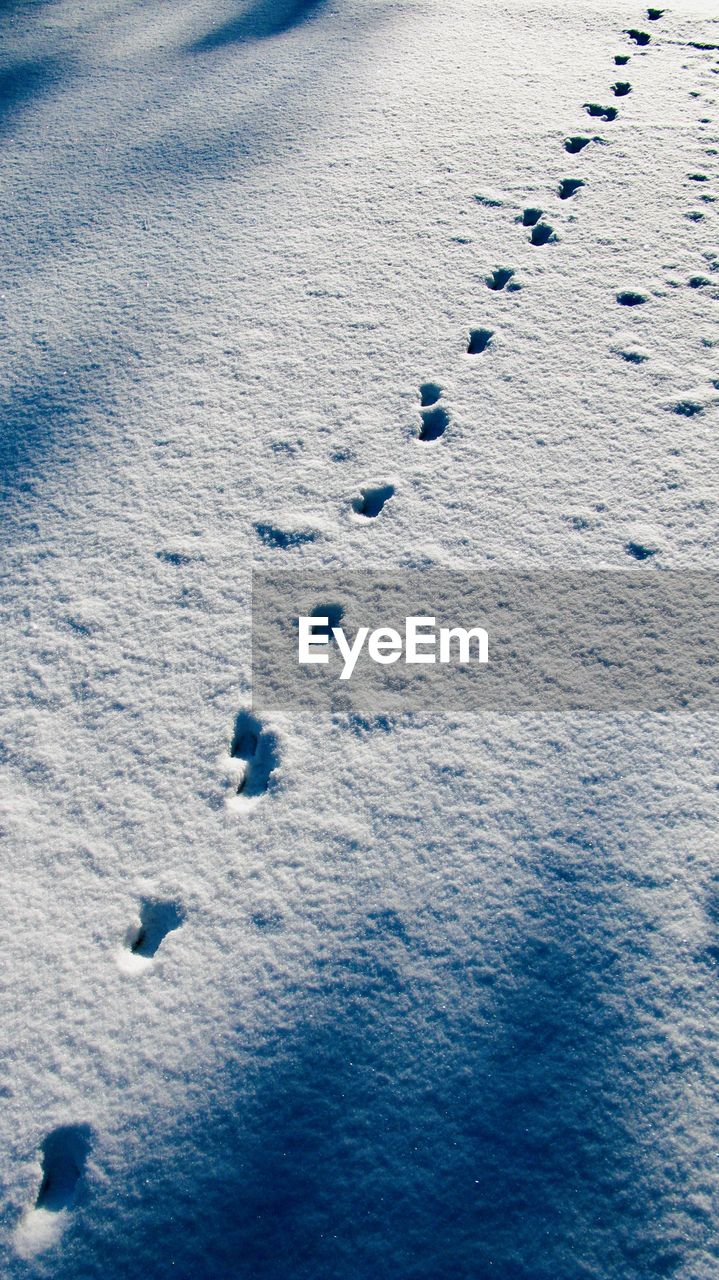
{"points": [[595, 641]]}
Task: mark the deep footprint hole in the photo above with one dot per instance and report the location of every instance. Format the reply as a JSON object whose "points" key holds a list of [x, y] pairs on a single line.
{"points": [[429, 394], [479, 340], [434, 423], [500, 277], [569, 187], [531, 217], [541, 234], [597, 110], [334, 613], [621, 59], [639, 37], [574, 145], [157, 919], [372, 500], [64, 1155], [258, 749], [621, 88], [655, 14], [628, 298]]}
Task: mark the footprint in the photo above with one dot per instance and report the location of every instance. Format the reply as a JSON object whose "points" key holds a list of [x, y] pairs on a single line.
{"points": [[272, 536], [627, 298], [569, 187], [698, 282], [531, 217], [541, 234], [64, 1155], [334, 613], [479, 340], [604, 113], [621, 59], [655, 14], [576, 144], [697, 177], [639, 550], [434, 423], [621, 88], [688, 408], [639, 37], [500, 277], [371, 500], [429, 393], [157, 918], [254, 756]]}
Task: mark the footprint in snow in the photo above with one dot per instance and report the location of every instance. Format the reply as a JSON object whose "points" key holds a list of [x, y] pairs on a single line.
{"points": [[64, 1156], [500, 278], [272, 536], [156, 918], [569, 187], [639, 37], [639, 550], [603, 113], [541, 234], [331, 614], [629, 298], [577, 143], [434, 417], [531, 217], [621, 59], [479, 340], [371, 500], [655, 14], [253, 759], [429, 393], [621, 88]]}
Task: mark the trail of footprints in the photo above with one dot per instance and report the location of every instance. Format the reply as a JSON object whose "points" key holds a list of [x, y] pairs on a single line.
{"points": [[253, 756]]}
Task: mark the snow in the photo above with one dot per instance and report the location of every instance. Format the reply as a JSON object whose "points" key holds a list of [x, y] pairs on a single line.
{"points": [[440, 995]]}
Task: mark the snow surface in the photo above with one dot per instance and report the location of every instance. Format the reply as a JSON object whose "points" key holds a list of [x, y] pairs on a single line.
{"points": [[436, 997]]}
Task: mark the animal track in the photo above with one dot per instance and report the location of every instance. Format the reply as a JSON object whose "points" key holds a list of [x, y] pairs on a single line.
{"points": [[283, 538], [429, 393], [576, 144], [371, 500], [256, 749], [434, 423], [531, 217], [569, 187], [603, 113], [621, 59], [621, 88], [500, 277], [639, 37], [541, 234], [434, 416], [158, 917], [688, 408], [639, 550], [627, 298], [479, 340], [64, 1155], [655, 14], [334, 613]]}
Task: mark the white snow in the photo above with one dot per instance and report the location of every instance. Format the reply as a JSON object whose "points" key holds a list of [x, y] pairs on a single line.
{"points": [[443, 1000]]}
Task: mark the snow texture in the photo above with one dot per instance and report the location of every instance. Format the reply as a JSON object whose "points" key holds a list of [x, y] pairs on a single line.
{"points": [[327, 285]]}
